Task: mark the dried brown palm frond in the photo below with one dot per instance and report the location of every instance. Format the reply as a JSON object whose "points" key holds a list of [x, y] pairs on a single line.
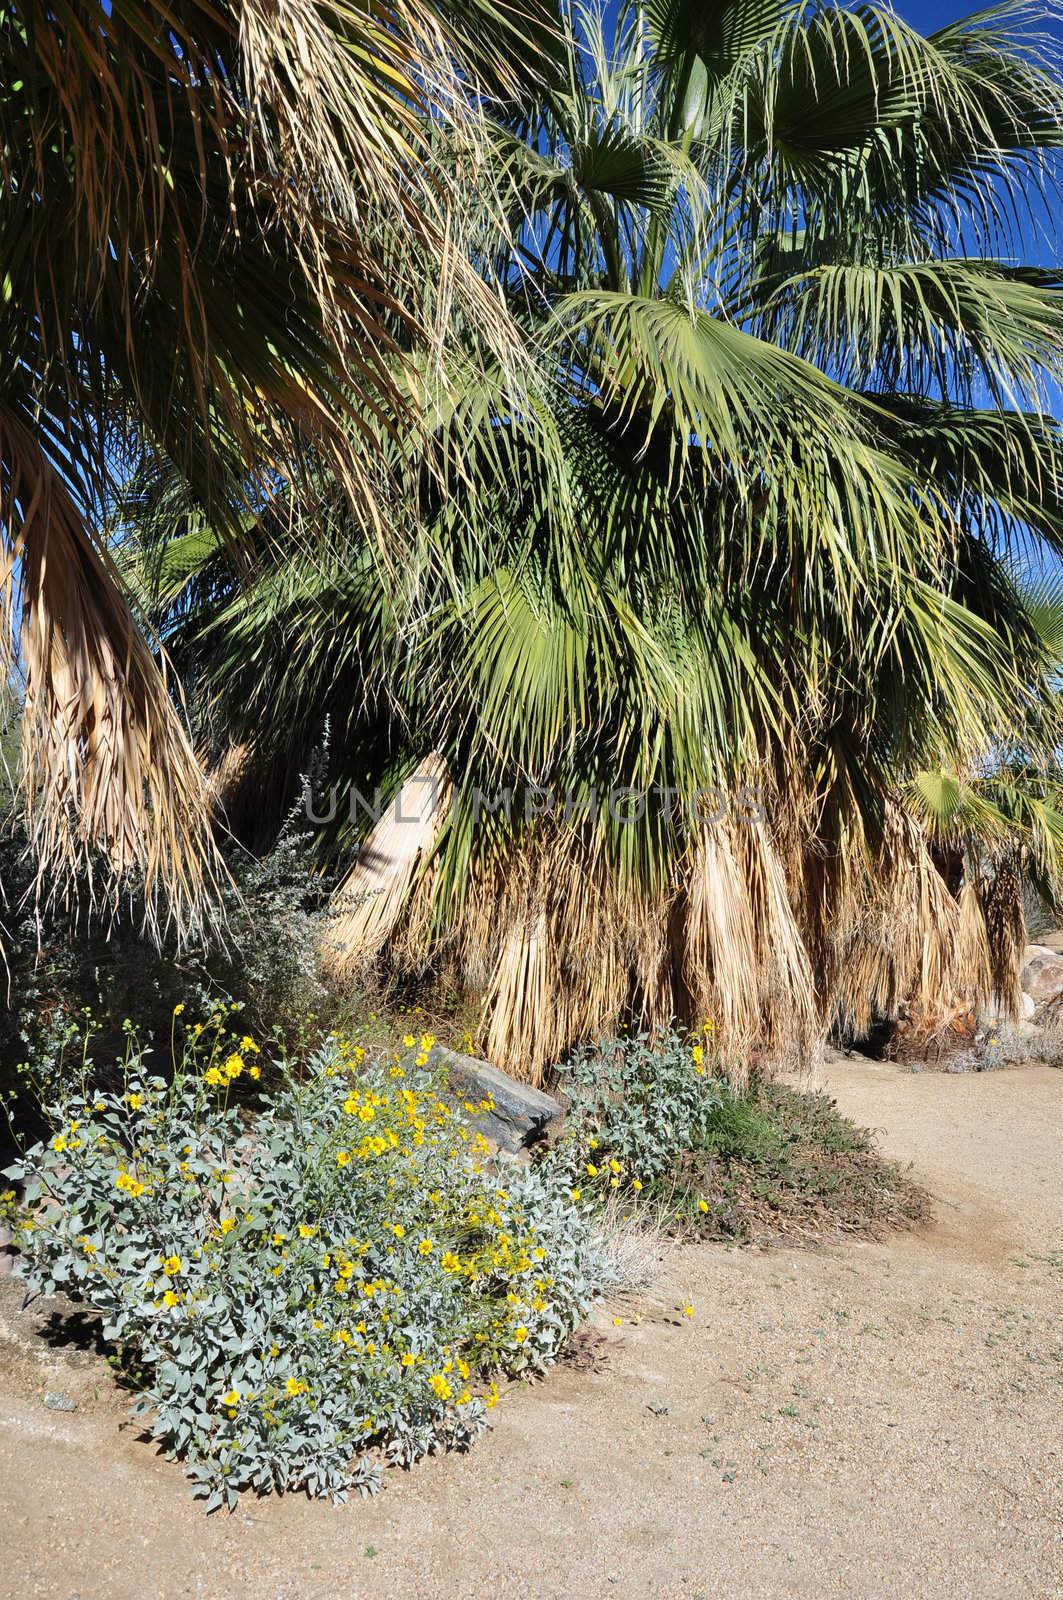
{"points": [[223, 777], [1005, 922], [372, 897], [521, 1002], [561, 954], [719, 949], [745, 965], [107, 767], [790, 1020], [973, 953], [546, 917], [902, 938], [355, 96]]}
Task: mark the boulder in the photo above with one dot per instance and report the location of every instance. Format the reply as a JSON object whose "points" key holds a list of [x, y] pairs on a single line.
{"points": [[1042, 973], [519, 1116], [994, 1015]]}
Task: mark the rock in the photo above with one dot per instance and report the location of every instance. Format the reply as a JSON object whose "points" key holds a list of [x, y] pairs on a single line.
{"points": [[1027, 1007], [1042, 973], [520, 1116], [55, 1400]]}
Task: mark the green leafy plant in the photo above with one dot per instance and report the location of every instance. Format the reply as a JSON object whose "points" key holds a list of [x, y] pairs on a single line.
{"points": [[635, 1105], [331, 1285], [655, 1126]]}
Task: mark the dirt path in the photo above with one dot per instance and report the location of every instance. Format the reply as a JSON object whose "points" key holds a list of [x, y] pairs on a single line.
{"points": [[867, 1421]]}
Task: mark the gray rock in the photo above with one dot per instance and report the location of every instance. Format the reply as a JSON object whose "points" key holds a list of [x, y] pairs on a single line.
{"points": [[1042, 973], [520, 1115], [55, 1400]]}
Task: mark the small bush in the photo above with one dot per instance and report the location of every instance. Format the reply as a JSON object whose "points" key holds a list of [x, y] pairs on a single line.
{"points": [[342, 1273], [650, 1128], [782, 1162], [634, 1106]]}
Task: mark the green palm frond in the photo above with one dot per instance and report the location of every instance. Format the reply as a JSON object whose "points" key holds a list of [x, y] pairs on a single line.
{"points": [[944, 326]]}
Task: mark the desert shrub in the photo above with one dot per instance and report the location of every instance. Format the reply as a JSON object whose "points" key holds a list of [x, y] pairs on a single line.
{"points": [[332, 1283], [780, 1161], [634, 1106], [650, 1127]]}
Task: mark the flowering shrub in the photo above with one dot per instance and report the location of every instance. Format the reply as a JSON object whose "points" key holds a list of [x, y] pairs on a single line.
{"points": [[635, 1109], [343, 1273]]}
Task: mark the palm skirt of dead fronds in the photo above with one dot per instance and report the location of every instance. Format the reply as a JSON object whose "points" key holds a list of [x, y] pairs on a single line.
{"points": [[560, 955]]}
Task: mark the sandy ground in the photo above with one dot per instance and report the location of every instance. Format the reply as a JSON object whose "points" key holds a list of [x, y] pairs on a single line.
{"points": [[866, 1420]]}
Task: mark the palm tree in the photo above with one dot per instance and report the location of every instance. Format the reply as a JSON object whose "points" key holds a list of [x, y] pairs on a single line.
{"points": [[752, 523], [219, 222]]}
